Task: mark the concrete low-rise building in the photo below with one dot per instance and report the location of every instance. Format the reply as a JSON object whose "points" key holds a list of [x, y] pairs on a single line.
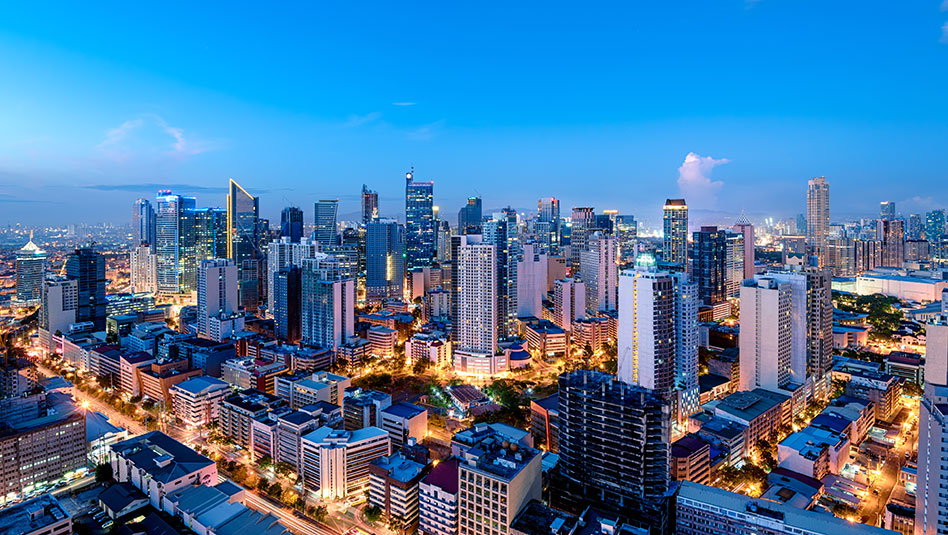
{"points": [[363, 408], [814, 451], [691, 459], [197, 401], [393, 488], [438, 499], [42, 515], [404, 421]]}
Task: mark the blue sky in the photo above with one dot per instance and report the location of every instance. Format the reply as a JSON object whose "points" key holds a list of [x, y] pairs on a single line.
{"points": [[599, 105]]}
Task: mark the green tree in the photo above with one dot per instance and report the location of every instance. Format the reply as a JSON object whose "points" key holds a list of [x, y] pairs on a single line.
{"points": [[373, 513], [103, 473]]}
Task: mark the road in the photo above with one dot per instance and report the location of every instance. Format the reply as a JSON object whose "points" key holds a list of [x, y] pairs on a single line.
{"points": [[873, 505], [300, 526]]}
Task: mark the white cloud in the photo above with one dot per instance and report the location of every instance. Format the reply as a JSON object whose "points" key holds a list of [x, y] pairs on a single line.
{"points": [[359, 120], [944, 5], [944, 33], [694, 179], [120, 142], [412, 103]]}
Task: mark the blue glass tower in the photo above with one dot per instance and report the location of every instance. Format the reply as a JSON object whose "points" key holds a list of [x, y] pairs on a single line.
{"points": [[419, 223]]}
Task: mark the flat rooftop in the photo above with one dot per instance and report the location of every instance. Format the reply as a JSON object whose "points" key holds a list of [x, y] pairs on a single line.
{"points": [[31, 515]]}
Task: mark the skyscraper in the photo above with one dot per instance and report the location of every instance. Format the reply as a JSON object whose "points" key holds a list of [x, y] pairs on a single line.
{"points": [[291, 223], [242, 225], [582, 222], [469, 217], [935, 226], [328, 302], [548, 225], [746, 229], [817, 215], [203, 235], [325, 217], [569, 302], [419, 223], [887, 210], [531, 281], [717, 264], [370, 204], [284, 253], [217, 299], [675, 228], [384, 260], [599, 272], [143, 223], [477, 296], [913, 227], [613, 446], [931, 515], [892, 235], [60, 302], [87, 267], [170, 232], [143, 269], [30, 273], [766, 334], [626, 232], [287, 299], [658, 334], [501, 231]]}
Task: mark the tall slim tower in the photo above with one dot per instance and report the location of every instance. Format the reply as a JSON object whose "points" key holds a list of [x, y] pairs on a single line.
{"points": [[477, 296], [599, 272], [370, 204], [675, 227], [817, 215], [548, 225], [766, 334], [216, 295], [583, 221], [501, 231], [746, 229], [470, 217], [384, 260], [328, 302], [325, 217], [143, 223], [931, 515], [242, 224], [887, 210], [291, 223], [170, 235], [88, 268], [30, 273], [419, 223]]}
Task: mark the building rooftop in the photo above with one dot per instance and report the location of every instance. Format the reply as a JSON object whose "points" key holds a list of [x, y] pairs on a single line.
{"points": [[399, 467], [445, 475], [358, 396], [495, 454], [327, 434], [550, 403], [98, 426], [749, 405], [478, 432], [404, 410], [710, 381], [31, 515], [831, 421], [810, 441], [539, 519], [120, 495], [252, 400], [162, 457], [200, 383], [773, 512], [687, 445], [465, 393]]}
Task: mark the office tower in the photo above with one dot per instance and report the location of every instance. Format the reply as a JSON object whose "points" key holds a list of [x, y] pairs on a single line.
{"points": [[583, 221], [336, 462], [497, 481], [284, 253], [819, 330], [501, 231], [658, 334], [477, 300], [469, 217], [291, 223], [817, 215], [675, 227], [626, 231], [325, 222], [287, 298], [30, 273], [599, 272], [733, 263], [935, 226], [766, 334], [419, 223], [887, 210], [443, 233], [143, 268], [60, 301], [144, 223], [217, 299], [891, 233], [87, 267], [531, 281], [242, 225], [913, 227], [370, 204], [931, 515], [569, 302], [41, 448], [169, 234], [613, 446], [708, 264], [841, 256], [328, 302], [746, 230], [384, 260], [547, 226], [203, 236]]}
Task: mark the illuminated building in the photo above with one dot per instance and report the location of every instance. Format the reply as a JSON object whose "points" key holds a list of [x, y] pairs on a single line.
{"points": [[325, 211], [291, 223], [675, 227], [469, 217], [419, 223], [582, 222], [384, 261], [599, 272], [169, 234], [370, 204], [817, 215], [30, 273], [328, 302]]}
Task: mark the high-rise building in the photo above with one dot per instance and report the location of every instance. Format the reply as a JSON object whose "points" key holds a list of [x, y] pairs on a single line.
{"points": [[477, 300], [384, 260], [325, 211], [470, 216], [282, 254], [328, 302], [547, 226], [626, 231], [30, 273], [658, 334], [582, 222], [501, 231], [60, 302], [614, 443], [531, 281], [887, 210], [717, 264], [913, 227], [817, 215], [287, 300], [144, 223], [291, 223], [336, 462], [42, 448], [87, 267], [419, 223], [217, 316], [766, 334], [599, 272], [746, 229], [203, 236], [891, 233], [143, 269], [243, 212], [170, 233], [675, 227], [931, 515], [935, 226], [569, 302], [370, 204]]}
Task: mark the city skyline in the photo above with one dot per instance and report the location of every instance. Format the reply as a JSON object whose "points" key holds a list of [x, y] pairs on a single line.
{"points": [[668, 100]]}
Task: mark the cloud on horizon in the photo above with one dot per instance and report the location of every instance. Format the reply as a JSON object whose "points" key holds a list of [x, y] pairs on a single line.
{"points": [[149, 133], [694, 179]]}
